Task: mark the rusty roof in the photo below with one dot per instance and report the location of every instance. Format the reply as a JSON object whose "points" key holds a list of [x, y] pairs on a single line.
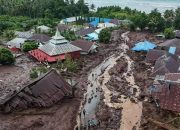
{"points": [[165, 64], [154, 54], [40, 38], [83, 32], [168, 96], [171, 43], [42, 92], [83, 44], [172, 77]]}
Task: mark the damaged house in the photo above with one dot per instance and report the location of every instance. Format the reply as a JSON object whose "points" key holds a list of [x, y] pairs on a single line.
{"points": [[165, 64], [154, 54], [42, 92], [166, 92]]}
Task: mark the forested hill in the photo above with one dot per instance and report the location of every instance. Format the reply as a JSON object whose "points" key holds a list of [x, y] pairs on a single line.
{"points": [[43, 8]]}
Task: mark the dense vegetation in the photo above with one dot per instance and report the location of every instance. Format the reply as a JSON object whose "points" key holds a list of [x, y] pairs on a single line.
{"points": [[28, 46], [155, 21], [6, 57], [43, 8], [105, 35]]}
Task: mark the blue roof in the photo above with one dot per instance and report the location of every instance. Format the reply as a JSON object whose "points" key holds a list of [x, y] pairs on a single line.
{"points": [[93, 36], [172, 50], [144, 46], [95, 21]]}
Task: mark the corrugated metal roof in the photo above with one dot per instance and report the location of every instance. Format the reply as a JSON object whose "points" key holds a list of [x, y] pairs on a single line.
{"points": [[83, 44], [40, 38], [173, 42], [153, 55], [168, 96], [26, 35], [16, 42], [52, 49], [165, 64], [42, 92], [83, 32]]}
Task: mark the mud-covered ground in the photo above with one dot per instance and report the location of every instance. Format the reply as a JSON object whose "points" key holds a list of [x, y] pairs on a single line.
{"points": [[142, 70], [62, 116], [119, 86]]}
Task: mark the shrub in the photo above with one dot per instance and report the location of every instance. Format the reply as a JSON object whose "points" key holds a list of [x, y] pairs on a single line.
{"points": [[104, 36], [28, 46], [70, 64], [33, 74], [6, 57], [169, 33], [37, 71]]}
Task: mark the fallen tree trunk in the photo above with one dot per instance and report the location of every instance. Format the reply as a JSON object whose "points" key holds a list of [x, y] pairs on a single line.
{"points": [[162, 125]]}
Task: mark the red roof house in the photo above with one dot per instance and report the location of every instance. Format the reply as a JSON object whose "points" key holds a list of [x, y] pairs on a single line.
{"points": [[55, 50], [167, 95]]}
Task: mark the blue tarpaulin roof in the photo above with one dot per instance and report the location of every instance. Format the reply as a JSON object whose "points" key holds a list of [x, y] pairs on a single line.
{"points": [[144, 46], [93, 36], [172, 50]]}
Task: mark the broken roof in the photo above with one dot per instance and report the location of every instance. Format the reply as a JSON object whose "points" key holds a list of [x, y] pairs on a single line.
{"points": [[83, 32], [154, 54], [83, 44], [42, 92], [165, 64], [40, 38], [168, 96], [172, 77]]}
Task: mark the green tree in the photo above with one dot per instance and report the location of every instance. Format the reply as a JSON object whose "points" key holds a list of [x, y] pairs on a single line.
{"points": [[28, 46], [140, 20], [9, 34], [104, 36], [169, 33], [156, 22], [6, 57], [169, 16], [177, 19], [70, 64], [92, 7]]}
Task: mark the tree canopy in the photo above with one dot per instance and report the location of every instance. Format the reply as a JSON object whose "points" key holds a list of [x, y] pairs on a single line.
{"points": [[105, 35], [43, 8], [28, 46], [6, 57]]}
